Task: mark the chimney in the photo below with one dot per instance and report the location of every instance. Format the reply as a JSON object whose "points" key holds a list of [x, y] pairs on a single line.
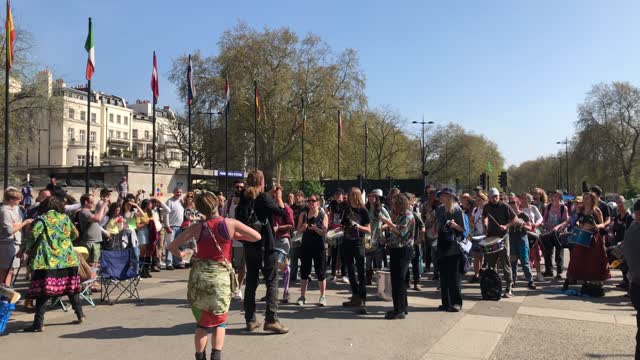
{"points": [[60, 83]]}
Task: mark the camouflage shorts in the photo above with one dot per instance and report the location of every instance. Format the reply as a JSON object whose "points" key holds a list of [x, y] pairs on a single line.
{"points": [[209, 287]]}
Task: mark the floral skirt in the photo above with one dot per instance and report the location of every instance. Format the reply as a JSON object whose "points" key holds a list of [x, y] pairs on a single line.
{"points": [[54, 283], [209, 292]]}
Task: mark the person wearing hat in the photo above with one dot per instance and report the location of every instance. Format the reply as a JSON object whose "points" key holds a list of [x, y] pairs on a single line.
{"points": [[452, 227], [631, 253], [498, 217]]}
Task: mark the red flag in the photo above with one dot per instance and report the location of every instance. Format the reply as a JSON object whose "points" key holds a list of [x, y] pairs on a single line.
{"points": [[154, 79]]}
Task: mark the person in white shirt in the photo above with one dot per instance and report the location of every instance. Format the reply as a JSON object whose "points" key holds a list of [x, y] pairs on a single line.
{"points": [[175, 218], [532, 211]]}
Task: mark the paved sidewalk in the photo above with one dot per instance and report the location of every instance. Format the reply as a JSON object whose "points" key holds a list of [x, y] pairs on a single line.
{"points": [[532, 325]]}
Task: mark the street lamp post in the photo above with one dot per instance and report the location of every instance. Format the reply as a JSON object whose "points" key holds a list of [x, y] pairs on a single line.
{"points": [[423, 148], [565, 142]]}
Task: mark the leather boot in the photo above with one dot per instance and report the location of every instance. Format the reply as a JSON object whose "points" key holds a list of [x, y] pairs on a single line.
{"points": [[354, 302], [201, 356]]}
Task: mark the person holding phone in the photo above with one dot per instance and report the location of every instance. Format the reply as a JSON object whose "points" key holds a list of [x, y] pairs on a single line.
{"points": [[313, 225]]}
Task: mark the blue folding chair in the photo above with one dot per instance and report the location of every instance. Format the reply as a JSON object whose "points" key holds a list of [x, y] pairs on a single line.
{"points": [[119, 275]]}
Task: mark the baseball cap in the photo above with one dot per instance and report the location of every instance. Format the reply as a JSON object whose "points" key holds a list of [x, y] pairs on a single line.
{"points": [[377, 192], [494, 192]]}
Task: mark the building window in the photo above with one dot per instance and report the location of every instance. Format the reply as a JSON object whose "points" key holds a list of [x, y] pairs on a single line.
{"points": [[70, 134], [134, 133], [92, 136], [146, 134], [110, 134], [126, 120], [81, 160], [174, 155], [83, 135], [125, 135], [119, 119], [110, 118], [118, 134], [185, 157], [83, 115], [93, 118], [72, 113]]}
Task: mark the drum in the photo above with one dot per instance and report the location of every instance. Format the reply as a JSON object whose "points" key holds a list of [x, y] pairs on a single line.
{"points": [[384, 285], [581, 237], [475, 243], [296, 240], [492, 244], [533, 238], [334, 237]]}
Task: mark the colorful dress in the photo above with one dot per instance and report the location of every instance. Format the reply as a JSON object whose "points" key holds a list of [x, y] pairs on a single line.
{"points": [[589, 263], [209, 288], [54, 262]]}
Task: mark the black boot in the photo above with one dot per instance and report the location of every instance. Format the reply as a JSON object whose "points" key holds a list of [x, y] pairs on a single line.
{"points": [[216, 354], [81, 317], [201, 356]]}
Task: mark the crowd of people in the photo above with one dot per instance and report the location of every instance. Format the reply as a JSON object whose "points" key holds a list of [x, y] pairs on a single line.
{"points": [[346, 238]]}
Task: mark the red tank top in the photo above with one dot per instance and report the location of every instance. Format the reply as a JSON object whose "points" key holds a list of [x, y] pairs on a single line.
{"points": [[207, 248]]}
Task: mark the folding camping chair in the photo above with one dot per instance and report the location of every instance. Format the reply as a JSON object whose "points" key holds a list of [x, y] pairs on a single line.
{"points": [[119, 275]]}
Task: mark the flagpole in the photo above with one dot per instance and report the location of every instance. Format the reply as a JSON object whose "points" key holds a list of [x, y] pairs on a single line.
{"points": [[366, 147], [6, 122], [226, 139], [339, 141], [255, 123], [189, 180], [153, 137], [88, 137], [304, 120]]}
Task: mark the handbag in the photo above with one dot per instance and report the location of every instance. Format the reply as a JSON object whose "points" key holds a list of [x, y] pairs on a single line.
{"points": [[234, 284]]}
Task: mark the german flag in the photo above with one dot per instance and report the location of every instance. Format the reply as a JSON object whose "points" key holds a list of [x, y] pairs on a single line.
{"points": [[10, 36]]}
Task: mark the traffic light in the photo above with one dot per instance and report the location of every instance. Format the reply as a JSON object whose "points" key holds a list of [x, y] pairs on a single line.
{"points": [[503, 179], [483, 181]]}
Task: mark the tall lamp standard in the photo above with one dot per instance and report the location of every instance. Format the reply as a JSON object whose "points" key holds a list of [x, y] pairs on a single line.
{"points": [[210, 113], [565, 142], [423, 148]]}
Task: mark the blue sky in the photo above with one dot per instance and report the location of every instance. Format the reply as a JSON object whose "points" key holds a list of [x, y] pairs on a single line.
{"points": [[511, 70]]}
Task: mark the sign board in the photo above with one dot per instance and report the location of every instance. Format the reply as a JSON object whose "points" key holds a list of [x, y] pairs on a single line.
{"points": [[238, 174]]}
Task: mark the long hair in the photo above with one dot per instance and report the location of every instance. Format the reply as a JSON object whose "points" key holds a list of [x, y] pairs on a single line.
{"points": [[400, 202], [355, 198], [112, 209], [592, 197], [377, 207], [255, 179]]}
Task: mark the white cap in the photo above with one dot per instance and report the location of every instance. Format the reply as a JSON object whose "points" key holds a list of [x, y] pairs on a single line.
{"points": [[493, 192], [377, 192]]}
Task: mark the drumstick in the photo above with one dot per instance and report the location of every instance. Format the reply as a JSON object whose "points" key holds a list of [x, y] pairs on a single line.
{"points": [[494, 220], [278, 176]]}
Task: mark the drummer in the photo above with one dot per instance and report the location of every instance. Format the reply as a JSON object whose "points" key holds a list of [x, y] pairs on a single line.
{"points": [[498, 217], [477, 227], [589, 264], [519, 243], [535, 251]]}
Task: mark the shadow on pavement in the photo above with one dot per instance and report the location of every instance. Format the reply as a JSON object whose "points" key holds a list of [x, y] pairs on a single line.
{"points": [[119, 332]]}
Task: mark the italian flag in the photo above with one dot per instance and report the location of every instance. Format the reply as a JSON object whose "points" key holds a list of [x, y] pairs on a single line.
{"points": [[91, 61]]}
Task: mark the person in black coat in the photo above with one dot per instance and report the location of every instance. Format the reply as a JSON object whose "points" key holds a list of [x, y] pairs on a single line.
{"points": [[255, 209]]}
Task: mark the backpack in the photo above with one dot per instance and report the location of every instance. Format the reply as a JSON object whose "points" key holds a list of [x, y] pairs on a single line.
{"points": [[592, 290], [546, 213], [490, 285], [75, 220]]}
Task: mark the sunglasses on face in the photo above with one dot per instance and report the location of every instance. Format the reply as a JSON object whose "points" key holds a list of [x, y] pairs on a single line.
{"points": [[313, 200]]}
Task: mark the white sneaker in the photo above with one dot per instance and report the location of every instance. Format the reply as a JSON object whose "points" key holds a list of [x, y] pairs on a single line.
{"points": [[540, 278], [334, 279], [237, 296], [507, 294], [345, 279]]}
